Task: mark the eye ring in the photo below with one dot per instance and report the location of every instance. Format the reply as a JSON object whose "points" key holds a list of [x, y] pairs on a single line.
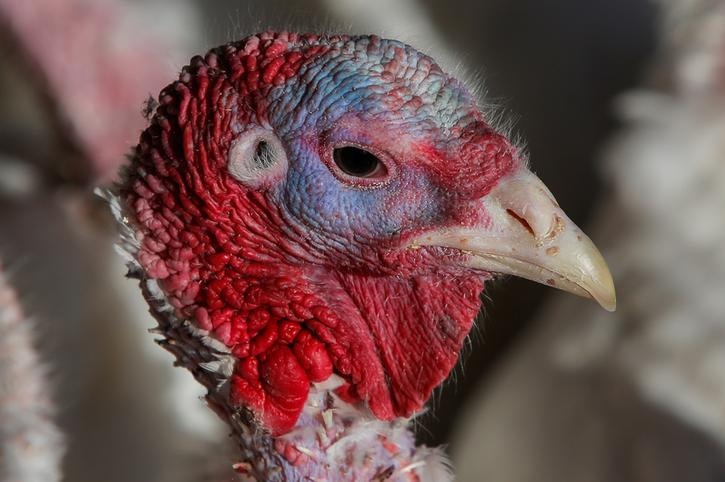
{"points": [[359, 165]]}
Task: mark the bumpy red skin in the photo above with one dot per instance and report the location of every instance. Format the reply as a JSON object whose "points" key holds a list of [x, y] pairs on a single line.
{"points": [[293, 308]]}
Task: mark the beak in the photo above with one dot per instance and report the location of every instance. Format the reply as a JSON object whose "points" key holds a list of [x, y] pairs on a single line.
{"points": [[531, 237]]}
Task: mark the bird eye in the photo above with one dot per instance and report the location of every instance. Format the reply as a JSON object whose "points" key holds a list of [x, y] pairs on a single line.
{"points": [[357, 162]]}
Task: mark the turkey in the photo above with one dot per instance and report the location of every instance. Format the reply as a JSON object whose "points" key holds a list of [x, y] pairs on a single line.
{"points": [[312, 220]]}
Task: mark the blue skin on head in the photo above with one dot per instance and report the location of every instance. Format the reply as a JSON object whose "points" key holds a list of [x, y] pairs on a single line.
{"points": [[390, 101]]}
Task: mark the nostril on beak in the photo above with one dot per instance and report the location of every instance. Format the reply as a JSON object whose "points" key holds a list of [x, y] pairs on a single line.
{"points": [[521, 221], [528, 203]]}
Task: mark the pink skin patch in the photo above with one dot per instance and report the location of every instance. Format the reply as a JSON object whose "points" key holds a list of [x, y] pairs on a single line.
{"points": [[230, 260]]}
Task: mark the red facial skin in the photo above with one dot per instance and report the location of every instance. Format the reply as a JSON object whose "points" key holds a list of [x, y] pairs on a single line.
{"points": [[238, 266]]}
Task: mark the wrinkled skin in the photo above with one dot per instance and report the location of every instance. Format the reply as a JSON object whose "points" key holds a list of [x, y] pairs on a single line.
{"points": [[307, 272]]}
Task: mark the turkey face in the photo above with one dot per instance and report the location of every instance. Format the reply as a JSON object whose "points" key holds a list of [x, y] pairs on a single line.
{"points": [[390, 163], [333, 205]]}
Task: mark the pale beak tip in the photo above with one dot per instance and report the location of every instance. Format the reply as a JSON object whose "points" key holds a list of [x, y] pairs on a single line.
{"points": [[602, 288], [608, 301]]}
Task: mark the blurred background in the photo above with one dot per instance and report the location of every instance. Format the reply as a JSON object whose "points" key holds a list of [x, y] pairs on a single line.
{"points": [[621, 104]]}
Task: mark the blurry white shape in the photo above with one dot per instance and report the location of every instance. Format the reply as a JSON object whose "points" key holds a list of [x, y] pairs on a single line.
{"points": [[670, 171], [694, 35], [31, 446], [17, 178]]}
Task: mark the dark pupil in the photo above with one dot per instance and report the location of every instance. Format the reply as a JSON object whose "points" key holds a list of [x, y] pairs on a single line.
{"points": [[355, 162]]}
